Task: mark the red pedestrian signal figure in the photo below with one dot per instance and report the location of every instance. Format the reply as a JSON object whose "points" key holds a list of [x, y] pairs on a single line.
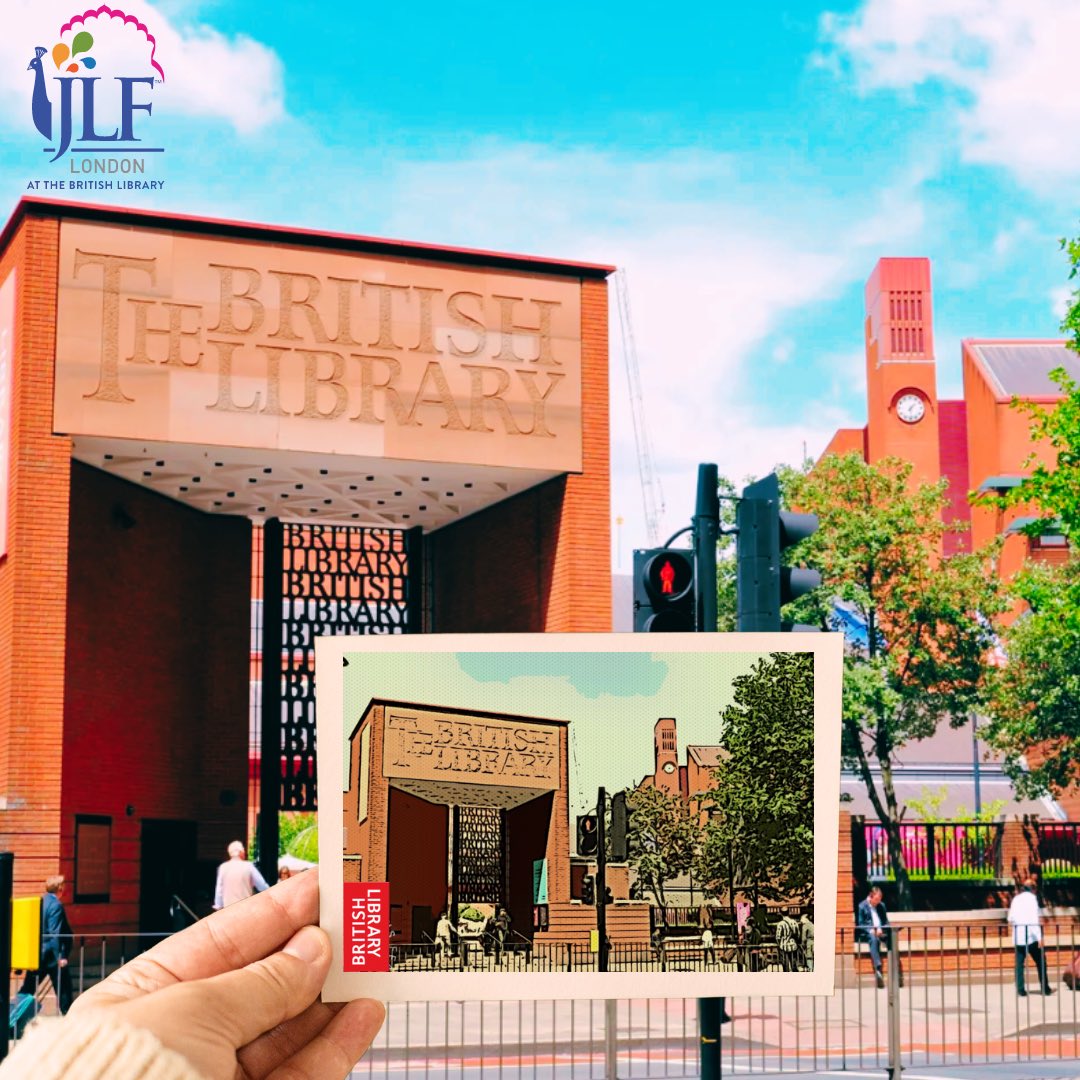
{"points": [[667, 578], [663, 590]]}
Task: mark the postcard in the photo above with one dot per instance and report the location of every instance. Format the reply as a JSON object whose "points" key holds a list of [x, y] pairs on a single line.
{"points": [[578, 815]]}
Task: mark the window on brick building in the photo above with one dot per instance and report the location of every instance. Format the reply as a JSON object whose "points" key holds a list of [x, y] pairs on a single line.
{"points": [[362, 779]]}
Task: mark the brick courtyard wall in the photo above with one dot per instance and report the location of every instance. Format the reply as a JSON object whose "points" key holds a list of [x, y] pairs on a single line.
{"points": [[845, 884], [156, 687], [367, 838], [33, 574]]}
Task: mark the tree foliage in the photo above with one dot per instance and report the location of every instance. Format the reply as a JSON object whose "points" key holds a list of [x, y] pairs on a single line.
{"points": [[291, 826], [927, 807], [725, 559], [1035, 698], [1035, 695], [926, 618], [662, 836], [759, 837]]}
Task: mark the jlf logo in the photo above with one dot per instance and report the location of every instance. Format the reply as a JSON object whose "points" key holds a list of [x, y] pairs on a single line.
{"points": [[67, 103]]}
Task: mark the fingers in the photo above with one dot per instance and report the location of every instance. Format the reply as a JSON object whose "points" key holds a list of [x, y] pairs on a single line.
{"points": [[260, 1057], [332, 1053], [208, 1020], [233, 937], [262, 995]]}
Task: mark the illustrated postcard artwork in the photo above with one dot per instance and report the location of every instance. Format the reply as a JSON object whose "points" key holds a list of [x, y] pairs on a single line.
{"points": [[585, 815]]}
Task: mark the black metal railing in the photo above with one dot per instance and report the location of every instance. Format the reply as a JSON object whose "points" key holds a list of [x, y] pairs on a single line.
{"points": [[665, 954], [935, 850], [1059, 849], [958, 1005]]}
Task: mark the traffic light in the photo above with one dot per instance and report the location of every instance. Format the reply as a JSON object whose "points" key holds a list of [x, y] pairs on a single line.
{"points": [[620, 851], [663, 590], [762, 584], [608, 898], [587, 834], [588, 889]]}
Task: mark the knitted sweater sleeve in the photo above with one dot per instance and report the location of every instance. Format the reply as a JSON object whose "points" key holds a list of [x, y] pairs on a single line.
{"points": [[93, 1048]]}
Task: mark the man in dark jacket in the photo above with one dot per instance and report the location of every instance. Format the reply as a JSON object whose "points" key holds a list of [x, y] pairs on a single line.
{"points": [[55, 945], [872, 926]]}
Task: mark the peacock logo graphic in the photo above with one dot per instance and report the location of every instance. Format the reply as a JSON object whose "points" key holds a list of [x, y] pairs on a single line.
{"points": [[101, 72]]}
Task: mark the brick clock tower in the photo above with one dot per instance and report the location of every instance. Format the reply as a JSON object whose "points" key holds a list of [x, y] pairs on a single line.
{"points": [[666, 756], [902, 416]]}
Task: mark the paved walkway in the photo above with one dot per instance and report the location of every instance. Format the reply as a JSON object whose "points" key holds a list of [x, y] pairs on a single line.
{"points": [[942, 1026]]}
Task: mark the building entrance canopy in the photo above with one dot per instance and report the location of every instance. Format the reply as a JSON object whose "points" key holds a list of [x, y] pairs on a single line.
{"points": [[313, 488], [469, 760], [282, 380]]}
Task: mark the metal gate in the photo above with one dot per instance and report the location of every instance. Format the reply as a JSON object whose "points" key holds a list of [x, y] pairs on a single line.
{"points": [[318, 580], [479, 855]]}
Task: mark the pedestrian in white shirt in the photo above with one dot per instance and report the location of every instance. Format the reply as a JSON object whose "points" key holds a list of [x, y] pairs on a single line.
{"points": [[237, 879], [1025, 920]]}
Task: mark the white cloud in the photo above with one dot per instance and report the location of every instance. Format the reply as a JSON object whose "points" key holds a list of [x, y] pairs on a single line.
{"points": [[236, 80], [1012, 62], [715, 271], [783, 350], [1061, 299]]}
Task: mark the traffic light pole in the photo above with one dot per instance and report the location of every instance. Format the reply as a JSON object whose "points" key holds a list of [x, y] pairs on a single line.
{"points": [[601, 881], [706, 533]]}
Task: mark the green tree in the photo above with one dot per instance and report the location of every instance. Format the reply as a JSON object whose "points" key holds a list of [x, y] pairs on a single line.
{"points": [[725, 559], [1035, 695], [927, 807], [291, 825], [759, 837], [1035, 699], [926, 617], [662, 838]]}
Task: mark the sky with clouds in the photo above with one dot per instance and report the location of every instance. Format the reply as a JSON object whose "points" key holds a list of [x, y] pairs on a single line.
{"points": [[745, 165]]}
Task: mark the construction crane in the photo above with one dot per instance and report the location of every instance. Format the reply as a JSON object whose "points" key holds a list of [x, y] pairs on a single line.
{"points": [[651, 494]]}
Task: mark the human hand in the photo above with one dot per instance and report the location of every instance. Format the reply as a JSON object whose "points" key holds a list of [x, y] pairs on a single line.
{"points": [[237, 994], [63, 961]]}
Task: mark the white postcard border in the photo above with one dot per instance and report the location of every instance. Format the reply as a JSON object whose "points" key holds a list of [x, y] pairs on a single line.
{"points": [[488, 986]]}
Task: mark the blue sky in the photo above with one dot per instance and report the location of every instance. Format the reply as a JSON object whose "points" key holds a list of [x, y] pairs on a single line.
{"points": [[745, 164]]}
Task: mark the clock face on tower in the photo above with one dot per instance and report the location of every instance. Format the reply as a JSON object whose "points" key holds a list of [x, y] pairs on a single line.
{"points": [[910, 408], [669, 767]]}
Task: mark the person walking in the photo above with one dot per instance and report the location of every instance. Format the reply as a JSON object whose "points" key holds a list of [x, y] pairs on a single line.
{"points": [[444, 945], [1025, 920], [787, 942], [806, 930], [55, 946], [501, 932], [237, 879], [708, 946], [872, 926]]}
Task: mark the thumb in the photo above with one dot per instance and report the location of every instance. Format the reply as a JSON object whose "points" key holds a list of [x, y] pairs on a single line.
{"points": [[228, 1011]]}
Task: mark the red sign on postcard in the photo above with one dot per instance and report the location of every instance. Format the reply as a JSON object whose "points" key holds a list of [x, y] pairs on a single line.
{"points": [[367, 926]]}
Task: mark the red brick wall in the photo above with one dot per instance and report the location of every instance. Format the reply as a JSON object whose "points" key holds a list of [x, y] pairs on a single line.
{"points": [[156, 696], [367, 838], [417, 844], [527, 828], [580, 591], [542, 560], [845, 884], [954, 467], [33, 575]]}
